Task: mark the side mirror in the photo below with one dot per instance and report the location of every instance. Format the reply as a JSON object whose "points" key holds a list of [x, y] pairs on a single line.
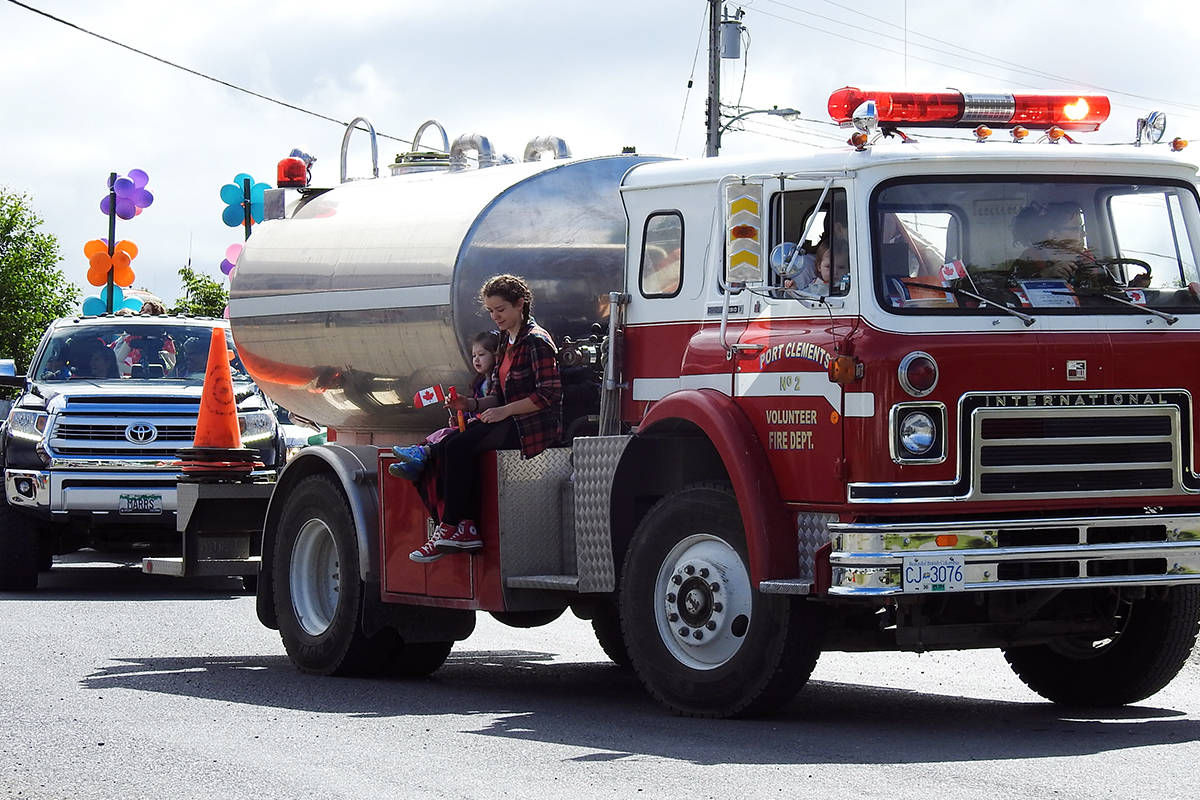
{"points": [[8, 374]]}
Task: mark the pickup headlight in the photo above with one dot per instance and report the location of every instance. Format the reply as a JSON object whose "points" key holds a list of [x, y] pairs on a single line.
{"points": [[28, 425], [256, 426]]}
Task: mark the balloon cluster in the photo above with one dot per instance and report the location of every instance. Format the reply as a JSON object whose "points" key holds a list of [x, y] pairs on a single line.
{"points": [[132, 195], [110, 265], [234, 195], [99, 304], [229, 264], [100, 262]]}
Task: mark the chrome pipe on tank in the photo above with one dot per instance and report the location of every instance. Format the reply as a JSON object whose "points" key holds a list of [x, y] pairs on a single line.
{"points": [[416, 144], [374, 146], [472, 141], [546, 144]]}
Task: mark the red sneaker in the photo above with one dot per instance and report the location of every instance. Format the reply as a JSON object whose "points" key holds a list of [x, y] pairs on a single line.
{"points": [[428, 552], [465, 537]]}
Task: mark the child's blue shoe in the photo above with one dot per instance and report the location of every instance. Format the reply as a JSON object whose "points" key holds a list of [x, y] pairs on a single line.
{"points": [[411, 461]]}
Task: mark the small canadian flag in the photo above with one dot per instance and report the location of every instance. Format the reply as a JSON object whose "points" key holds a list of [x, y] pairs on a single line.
{"points": [[953, 270], [427, 397]]}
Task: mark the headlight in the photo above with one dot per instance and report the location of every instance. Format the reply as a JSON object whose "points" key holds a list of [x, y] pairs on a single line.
{"points": [[29, 425], [256, 426], [917, 433]]}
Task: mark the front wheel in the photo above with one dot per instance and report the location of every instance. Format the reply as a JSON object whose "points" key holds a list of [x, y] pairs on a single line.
{"points": [[1151, 642], [701, 639]]}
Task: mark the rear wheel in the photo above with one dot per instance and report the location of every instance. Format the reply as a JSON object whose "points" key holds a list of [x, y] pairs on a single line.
{"points": [[318, 593], [1150, 644], [606, 624], [701, 639], [20, 553]]}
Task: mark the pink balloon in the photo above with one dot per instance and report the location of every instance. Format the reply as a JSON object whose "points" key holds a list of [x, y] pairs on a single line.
{"points": [[232, 252], [225, 313], [137, 210]]}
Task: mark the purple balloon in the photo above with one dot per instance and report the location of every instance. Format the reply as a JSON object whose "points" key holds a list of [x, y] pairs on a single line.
{"points": [[139, 177], [226, 266], [125, 208], [124, 187], [106, 205], [142, 198]]}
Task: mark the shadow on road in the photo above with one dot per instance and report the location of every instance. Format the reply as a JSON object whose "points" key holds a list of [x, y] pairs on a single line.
{"points": [[522, 695], [81, 580]]}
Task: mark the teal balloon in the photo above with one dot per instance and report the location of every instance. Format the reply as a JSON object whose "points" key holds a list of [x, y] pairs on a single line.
{"points": [[94, 306], [242, 177], [231, 194], [132, 303], [257, 192], [257, 211], [233, 216]]}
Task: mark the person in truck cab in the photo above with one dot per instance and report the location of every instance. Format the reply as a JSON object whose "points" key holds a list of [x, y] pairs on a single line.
{"points": [[93, 359], [522, 410], [194, 360], [1057, 246]]}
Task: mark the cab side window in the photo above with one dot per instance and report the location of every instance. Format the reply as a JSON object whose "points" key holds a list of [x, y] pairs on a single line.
{"points": [[661, 273], [810, 245]]}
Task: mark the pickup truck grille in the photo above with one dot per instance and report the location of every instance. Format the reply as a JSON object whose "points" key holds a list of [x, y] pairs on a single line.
{"points": [[123, 428]]}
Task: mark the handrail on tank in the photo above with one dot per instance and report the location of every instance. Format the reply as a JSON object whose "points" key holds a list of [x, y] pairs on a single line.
{"points": [[472, 141], [374, 146], [416, 142], [546, 144]]}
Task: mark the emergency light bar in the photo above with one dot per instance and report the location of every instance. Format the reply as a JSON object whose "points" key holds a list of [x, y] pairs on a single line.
{"points": [[953, 109]]}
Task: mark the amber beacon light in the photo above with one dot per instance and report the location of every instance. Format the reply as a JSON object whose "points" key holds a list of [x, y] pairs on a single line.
{"points": [[953, 109]]}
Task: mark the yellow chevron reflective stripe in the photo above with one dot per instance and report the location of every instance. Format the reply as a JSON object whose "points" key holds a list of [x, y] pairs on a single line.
{"points": [[743, 204]]}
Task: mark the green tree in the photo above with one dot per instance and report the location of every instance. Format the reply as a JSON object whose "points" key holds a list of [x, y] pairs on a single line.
{"points": [[203, 296], [33, 290]]}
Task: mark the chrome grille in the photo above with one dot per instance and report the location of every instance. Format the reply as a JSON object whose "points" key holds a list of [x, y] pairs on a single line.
{"points": [[1054, 452], [94, 428]]}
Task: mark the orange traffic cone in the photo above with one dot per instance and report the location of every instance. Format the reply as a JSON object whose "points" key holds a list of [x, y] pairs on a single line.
{"points": [[217, 449]]}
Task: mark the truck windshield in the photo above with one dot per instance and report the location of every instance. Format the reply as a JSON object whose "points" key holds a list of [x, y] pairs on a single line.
{"points": [[177, 352], [1067, 246]]}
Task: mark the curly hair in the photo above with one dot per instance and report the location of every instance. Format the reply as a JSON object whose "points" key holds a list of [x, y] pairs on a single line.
{"points": [[511, 288]]}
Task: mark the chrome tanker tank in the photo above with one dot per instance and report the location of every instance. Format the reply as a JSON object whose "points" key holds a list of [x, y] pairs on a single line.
{"points": [[369, 291]]}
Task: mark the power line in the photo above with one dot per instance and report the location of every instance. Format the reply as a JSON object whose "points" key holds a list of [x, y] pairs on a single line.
{"points": [[691, 77], [197, 73]]}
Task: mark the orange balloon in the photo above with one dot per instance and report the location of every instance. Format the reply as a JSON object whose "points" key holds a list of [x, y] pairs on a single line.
{"points": [[122, 275], [97, 276], [129, 247], [121, 259], [94, 246], [101, 260]]}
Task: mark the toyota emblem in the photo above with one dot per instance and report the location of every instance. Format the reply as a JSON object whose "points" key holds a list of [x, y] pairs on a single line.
{"points": [[141, 433]]}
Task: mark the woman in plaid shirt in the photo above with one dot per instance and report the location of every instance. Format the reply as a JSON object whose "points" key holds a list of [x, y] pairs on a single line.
{"points": [[523, 409]]}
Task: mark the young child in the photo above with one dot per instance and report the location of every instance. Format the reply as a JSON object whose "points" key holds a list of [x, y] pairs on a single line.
{"points": [[483, 359]]}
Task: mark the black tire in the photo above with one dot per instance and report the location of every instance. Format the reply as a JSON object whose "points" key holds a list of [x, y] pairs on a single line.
{"points": [[759, 650], [20, 551], [606, 624], [528, 619], [1154, 640], [318, 592]]}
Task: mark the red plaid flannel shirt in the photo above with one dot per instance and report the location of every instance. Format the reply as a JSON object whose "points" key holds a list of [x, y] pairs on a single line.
{"points": [[533, 373]]}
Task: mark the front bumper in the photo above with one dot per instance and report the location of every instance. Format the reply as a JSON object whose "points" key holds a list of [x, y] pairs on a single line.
{"points": [[868, 559], [61, 493]]}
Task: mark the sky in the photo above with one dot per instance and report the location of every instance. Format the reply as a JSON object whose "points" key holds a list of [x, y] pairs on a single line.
{"points": [[599, 75]]}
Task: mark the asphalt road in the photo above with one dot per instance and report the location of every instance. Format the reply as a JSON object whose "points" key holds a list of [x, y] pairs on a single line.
{"points": [[117, 684]]}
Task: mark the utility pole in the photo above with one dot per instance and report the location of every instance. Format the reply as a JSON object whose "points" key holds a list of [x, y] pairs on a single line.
{"points": [[713, 122]]}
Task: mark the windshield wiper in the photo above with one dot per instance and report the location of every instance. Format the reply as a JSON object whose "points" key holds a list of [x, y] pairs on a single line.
{"points": [[1125, 301], [957, 292]]}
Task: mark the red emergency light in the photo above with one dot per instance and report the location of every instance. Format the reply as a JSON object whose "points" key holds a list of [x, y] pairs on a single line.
{"points": [[953, 109], [292, 173]]}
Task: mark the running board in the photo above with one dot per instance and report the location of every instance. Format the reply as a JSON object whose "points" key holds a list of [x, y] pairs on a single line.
{"points": [[785, 587], [560, 583], [226, 567]]}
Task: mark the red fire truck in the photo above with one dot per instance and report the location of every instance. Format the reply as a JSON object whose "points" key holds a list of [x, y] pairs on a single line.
{"points": [[913, 393]]}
